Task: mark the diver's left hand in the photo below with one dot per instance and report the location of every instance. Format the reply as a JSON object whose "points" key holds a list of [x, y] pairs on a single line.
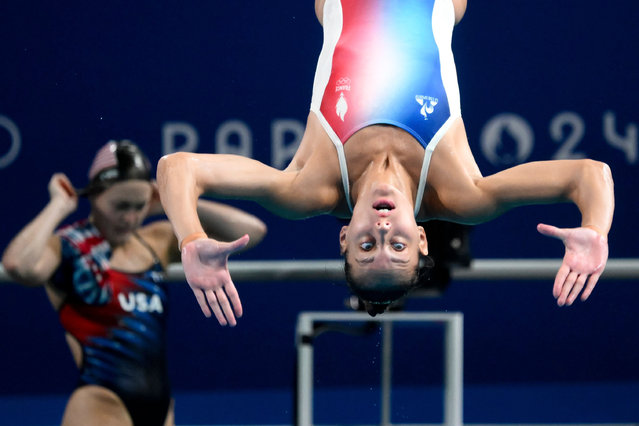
{"points": [[583, 264]]}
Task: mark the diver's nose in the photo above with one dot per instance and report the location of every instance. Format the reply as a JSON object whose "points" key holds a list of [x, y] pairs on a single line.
{"points": [[383, 225]]}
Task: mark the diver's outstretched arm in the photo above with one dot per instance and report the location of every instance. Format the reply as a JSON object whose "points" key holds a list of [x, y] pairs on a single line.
{"points": [[586, 183]]}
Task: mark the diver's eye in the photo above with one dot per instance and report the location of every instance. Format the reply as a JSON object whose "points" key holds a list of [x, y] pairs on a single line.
{"points": [[399, 246], [366, 246]]}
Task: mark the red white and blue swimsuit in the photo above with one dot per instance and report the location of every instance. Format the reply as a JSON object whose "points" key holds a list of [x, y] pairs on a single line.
{"points": [[387, 62], [119, 319]]}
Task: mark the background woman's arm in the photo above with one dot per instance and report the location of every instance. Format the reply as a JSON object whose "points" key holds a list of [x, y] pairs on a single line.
{"points": [[34, 253], [227, 223]]}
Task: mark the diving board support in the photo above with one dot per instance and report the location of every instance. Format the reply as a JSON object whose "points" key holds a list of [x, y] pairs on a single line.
{"points": [[453, 323]]}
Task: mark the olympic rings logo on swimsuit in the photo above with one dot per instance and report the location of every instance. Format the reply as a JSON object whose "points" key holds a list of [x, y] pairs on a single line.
{"points": [[343, 84]]}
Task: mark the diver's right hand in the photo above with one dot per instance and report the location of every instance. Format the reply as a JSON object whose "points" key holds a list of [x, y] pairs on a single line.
{"points": [[205, 263], [61, 192]]}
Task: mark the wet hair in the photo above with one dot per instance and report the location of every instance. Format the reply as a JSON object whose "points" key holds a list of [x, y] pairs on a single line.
{"points": [[376, 301], [116, 161]]}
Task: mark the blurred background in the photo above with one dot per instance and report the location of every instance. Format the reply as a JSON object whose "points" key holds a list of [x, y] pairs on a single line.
{"points": [[538, 80]]}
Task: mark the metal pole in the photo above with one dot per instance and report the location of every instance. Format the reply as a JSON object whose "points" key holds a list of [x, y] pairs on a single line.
{"points": [[387, 371], [304, 342], [453, 380]]}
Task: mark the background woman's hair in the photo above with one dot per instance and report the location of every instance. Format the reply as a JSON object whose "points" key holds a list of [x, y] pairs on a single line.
{"points": [[116, 161]]}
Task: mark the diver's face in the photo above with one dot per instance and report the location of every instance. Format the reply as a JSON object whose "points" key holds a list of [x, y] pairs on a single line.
{"points": [[120, 209], [383, 240]]}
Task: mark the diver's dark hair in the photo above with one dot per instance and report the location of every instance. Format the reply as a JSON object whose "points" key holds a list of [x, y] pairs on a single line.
{"points": [[116, 161], [377, 301]]}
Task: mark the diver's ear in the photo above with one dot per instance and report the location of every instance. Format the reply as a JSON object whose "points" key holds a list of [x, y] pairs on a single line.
{"points": [[342, 240], [423, 242]]}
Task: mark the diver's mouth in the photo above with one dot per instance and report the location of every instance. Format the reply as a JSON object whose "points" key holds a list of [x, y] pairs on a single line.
{"points": [[383, 206]]}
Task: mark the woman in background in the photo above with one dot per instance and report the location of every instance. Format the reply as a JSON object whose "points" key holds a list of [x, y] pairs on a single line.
{"points": [[104, 276]]}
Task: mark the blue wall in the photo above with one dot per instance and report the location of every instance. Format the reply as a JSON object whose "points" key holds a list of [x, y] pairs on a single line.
{"points": [[538, 80]]}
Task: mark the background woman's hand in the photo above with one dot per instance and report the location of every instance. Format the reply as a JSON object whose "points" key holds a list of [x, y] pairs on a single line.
{"points": [[62, 192], [155, 205], [584, 261], [205, 263]]}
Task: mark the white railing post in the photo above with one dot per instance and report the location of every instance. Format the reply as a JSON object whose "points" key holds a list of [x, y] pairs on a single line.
{"points": [[304, 343], [453, 367]]}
